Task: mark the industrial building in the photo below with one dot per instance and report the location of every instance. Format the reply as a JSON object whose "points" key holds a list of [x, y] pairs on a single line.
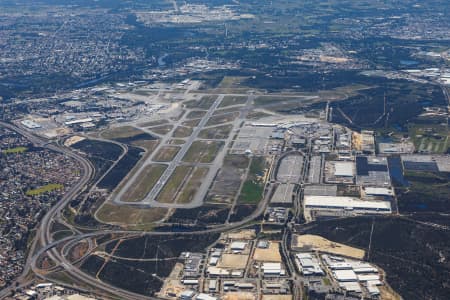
{"points": [[372, 171], [346, 203], [367, 142], [427, 163], [340, 172], [320, 190], [376, 191], [315, 165], [238, 246], [289, 169], [353, 275], [283, 194], [272, 269], [192, 264], [276, 214], [308, 264], [344, 169]]}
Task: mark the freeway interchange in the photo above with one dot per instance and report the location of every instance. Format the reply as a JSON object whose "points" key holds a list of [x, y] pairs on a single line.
{"points": [[44, 243]]}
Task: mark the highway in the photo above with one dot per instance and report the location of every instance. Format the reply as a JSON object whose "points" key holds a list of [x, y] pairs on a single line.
{"points": [[43, 235], [49, 246]]}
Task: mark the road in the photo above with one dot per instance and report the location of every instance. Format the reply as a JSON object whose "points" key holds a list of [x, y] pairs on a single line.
{"points": [[43, 233], [49, 246], [44, 236], [154, 192], [151, 198]]}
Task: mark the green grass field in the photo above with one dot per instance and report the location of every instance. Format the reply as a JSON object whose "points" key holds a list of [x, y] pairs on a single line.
{"points": [[15, 150], [44, 189], [432, 138], [251, 192], [253, 188]]}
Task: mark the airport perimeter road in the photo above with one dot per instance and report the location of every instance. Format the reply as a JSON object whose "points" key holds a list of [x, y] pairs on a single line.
{"points": [[151, 196]]}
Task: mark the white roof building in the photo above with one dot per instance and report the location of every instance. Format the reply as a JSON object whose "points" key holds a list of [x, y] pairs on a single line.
{"points": [[351, 286], [78, 121], [212, 286], [213, 261], [346, 203], [373, 290], [378, 191], [214, 271], [203, 296], [272, 269], [345, 275], [370, 277], [344, 169], [308, 264], [187, 295], [238, 246]]}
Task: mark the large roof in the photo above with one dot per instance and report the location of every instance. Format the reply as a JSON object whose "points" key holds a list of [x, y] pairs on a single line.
{"points": [[345, 203], [344, 168]]}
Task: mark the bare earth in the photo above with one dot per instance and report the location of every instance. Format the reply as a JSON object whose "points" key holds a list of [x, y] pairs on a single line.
{"points": [[317, 243]]}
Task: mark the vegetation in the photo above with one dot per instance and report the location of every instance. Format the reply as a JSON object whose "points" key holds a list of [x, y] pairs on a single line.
{"points": [[253, 187], [251, 192], [121, 132], [224, 118], [44, 189], [174, 184], [182, 132], [195, 114], [166, 153], [204, 103], [145, 182], [129, 216], [15, 150], [427, 191], [192, 185], [164, 129], [218, 132], [432, 138], [203, 151], [233, 100]]}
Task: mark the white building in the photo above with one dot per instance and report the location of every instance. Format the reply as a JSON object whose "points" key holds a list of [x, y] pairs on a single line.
{"points": [[346, 204]]}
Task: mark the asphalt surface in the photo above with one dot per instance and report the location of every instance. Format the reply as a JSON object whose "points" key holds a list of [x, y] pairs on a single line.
{"points": [[49, 246], [151, 199]]}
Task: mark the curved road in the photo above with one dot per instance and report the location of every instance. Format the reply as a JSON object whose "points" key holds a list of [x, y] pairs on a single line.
{"points": [[44, 236]]}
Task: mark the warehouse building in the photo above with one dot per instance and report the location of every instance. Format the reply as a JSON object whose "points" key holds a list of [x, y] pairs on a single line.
{"points": [[346, 204], [308, 264], [372, 171], [273, 269]]}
